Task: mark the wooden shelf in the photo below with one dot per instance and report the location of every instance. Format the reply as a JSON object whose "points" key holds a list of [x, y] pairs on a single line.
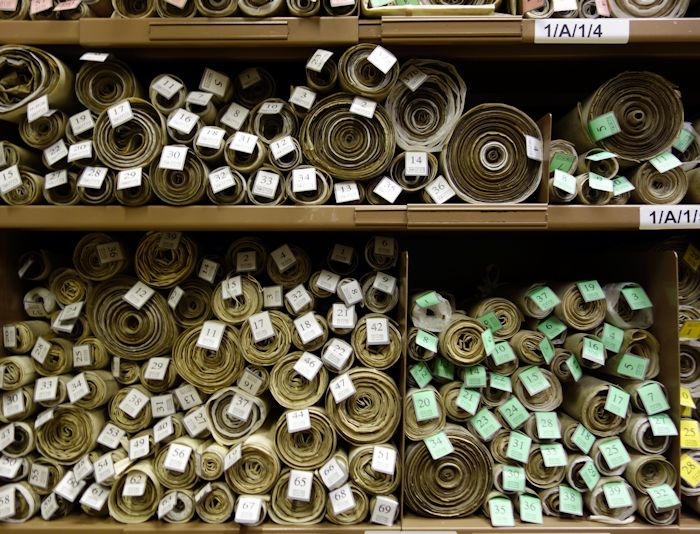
{"points": [[659, 37]]}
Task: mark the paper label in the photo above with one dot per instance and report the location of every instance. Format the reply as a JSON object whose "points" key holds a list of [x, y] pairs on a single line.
{"points": [[56, 152], [363, 106], [425, 405], [138, 448], [135, 485], [377, 331], [111, 436], [138, 295], [133, 403], [346, 192], [162, 405], [235, 116], [299, 485], [298, 421], [690, 471], [308, 366], [304, 180], [534, 148], [385, 511], [39, 476], [174, 298], [416, 164], [500, 382], [177, 457], [210, 335], [439, 445], [662, 425], [342, 499], [199, 98], [665, 162], [561, 162], [163, 429], [214, 82], [604, 126], [440, 190], [318, 60], [612, 337], [272, 296], [384, 460], [350, 292], [518, 447], [663, 497], [503, 353], [513, 478], [248, 510], [530, 509], [343, 316], [381, 58], [421, 374], [333, 474], [120, 113], [590, 475], [240, 407], [617, 401], [69, 487], [614, 452], [211, 137], [534, 380], [574, 368], [582, 31], [653, 398], [37, 108], [41, 350], [475, 376], [682, 216], [621, 185], [388, 189], [283, 257], [261, 326], [547, 425], [166, 86], [553, 454], [412, 77], [514, 412], [10, 179], [570, 501], [303, 96], [544, 298], [617, 495], [485, 423], [173, 157]]}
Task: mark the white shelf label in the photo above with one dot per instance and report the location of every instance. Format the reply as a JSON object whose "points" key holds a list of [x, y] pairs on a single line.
{"points": [[56, 152], [240, 407], [41, 350], [81, 122], [682, 216], [333, 474], [167, 87], [138, 295], [78, 151], [385, 510], [582, 31], [308, 366], [327, 281], [298, 421], [162, 405], [283, 257], [177, 457], [214, 82], [208, 270], [299, 486], [111, 436], [343, 316], [342, 388], [303, 96], [173, 157], [10, 179]]}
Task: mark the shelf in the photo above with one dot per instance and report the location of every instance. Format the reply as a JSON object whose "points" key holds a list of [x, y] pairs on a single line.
{"points": [[247, 218], [84, 525], [482, 217], [499, 31], [593, 217], [479, 524], [690, 523]]}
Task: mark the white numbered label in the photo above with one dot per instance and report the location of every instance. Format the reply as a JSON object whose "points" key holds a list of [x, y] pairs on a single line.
{"points": [[384, 460], [248, 510], [175, 295], [318, 60], [167, 504], [55, 179], [104, 468], [342, 388], [250, 382], [7, 436], [208, 270], [210, 137], [78, 388], [157, 368], [81, 122], [111, 436], [12, 403], [39, 476], [109, 253], [343, 316], [298, 421], [69, 487], [240, 407], [183, 121], [246, 262], [232, 288], [177, 457], [135, 485], [363, 106], [78, 151], [92, 177], [337, 354], [214, 82], [261, 326], [129, 178], [533, 147], [303, 96], [381, 58], [243, 142], [351, 292], [82, 356], [95, 497], [327, 281], [235, 116], [37, 108], [385, 510], [333, 474], [249, 77], [299, 486], [83, 468], [271, 108], [138, 295], [282, 147], [388, 189], [304, 180], [9, 336], [163, 429], [173, 157], [9, 467], [440, 190], [43, 418], [283, 257], [265, 184], [416, 164], [413, 77], [167, 87], [308, 366], [211, 334], [10, 179], [196, 422], [377, 331], [298, 298], [346, 192], [56, 152], [342, 499], [169, 240], [133, 403], [232, 456], [162, 405], [41, 350], [199, 98], [139, 448], [188, 397], [384, 282], [272, 296], [308, 328], [120, 114]]}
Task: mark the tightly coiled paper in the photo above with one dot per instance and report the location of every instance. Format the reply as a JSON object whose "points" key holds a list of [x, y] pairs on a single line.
{"points": [[456, 485], [485, 159], [101, 85], [372, 414], [293, 512], [127, 332], [269, 351], [259, 467], [619, 312], [585, 401], [56, 439], [236, 310], [575, 312], [346, 145], [359, 76], [424, 118], [292, 390], [654, 187], [369, 480], [226, 429], [306, 449]]}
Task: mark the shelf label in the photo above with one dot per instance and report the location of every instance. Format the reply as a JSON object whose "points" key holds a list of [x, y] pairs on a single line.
{"points": [[683, 216], [582, 31]]}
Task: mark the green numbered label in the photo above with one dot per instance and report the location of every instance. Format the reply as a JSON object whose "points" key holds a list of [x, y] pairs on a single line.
{"points": [[593, 351], [574, 368], [475, 377], [600, 156], [653, 398], [621, 185], [633, 366], [421, 374], [614, 453], [530, 509], [683, 140], [503, 353], [491, 321], [591, 290], [438, 445], [547, 425], [583, 439], [501, 512], [590, 475], [514, 412], [425, 405], [665, 161], [468, 400], [561, 162], [553, 455], [662, 425], [617, 402], [637, 298], [617, 495], [547, 350], [426, 300], [534, 380], [488, 341], [443, 368], [544, 298], [518, 447], [485, 423], [427, 340], [551, 327], [500, 382], [513, 478], [664, 497], [612, 337], [604, 126], [570, 501]]}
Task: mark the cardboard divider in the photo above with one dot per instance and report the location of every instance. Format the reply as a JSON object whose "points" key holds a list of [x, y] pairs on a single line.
{"points": [[454, 29]]}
